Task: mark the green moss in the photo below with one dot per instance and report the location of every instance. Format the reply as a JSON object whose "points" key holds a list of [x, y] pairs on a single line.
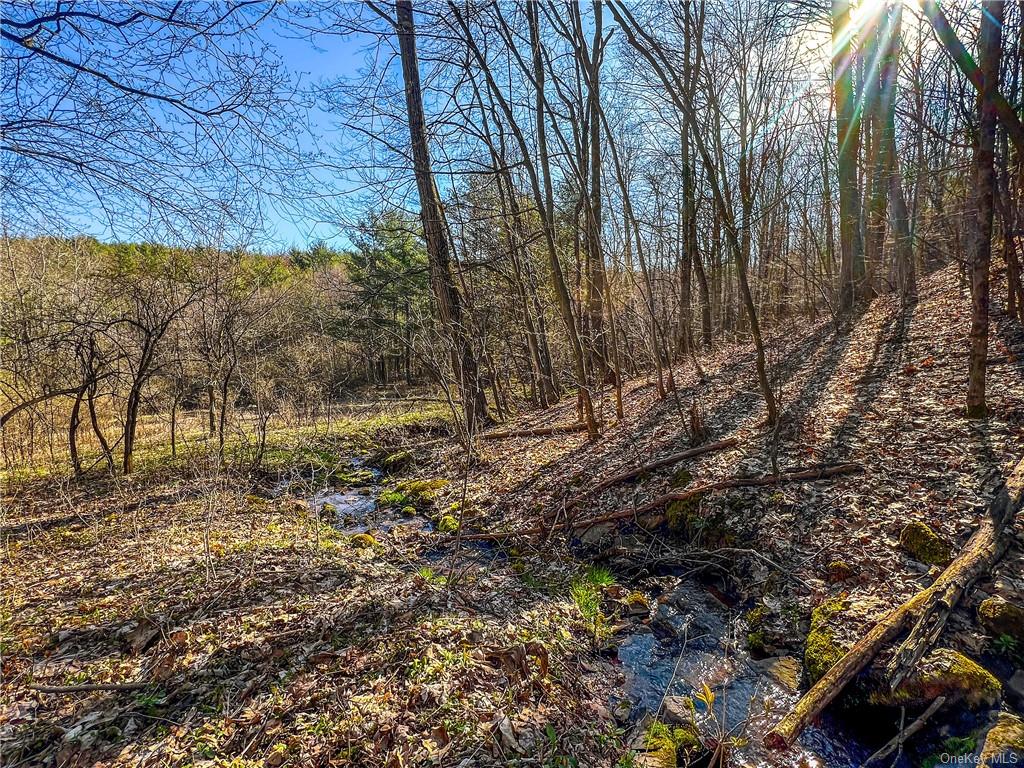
{"points": [[665, 744], [1005, 738], [756, 618], [637, 604], [364, 541], [421, 491], [681, 478], [398, 461], [447, 524], [756, 642], [391, 499], [822, 648], [944, 672], [409, 510], [352, 477], [922, 543], [682, 514], [1001, 617], [412, 493]]}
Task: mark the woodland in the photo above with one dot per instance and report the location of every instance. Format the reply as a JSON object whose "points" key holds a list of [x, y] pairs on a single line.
{"points": [[512, 383]]}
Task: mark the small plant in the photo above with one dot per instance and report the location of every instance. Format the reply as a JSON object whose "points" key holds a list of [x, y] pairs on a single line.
{"points": [[558, 760], [428, 576], [1006, 645], [149, 703], [599, 577], [587, 598], [952, 748]]}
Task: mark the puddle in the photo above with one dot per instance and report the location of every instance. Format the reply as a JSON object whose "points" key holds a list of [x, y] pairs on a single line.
{"points": [[693, 642]]}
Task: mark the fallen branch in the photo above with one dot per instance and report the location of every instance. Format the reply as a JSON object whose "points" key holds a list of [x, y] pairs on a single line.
{"points": [[661, 501], [929, 608], [900, 738], [536, 432], [675, 458], [84, 687]]}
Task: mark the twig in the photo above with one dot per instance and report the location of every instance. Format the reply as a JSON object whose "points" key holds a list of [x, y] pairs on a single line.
{"points": [[900, 738], [84, 687]]}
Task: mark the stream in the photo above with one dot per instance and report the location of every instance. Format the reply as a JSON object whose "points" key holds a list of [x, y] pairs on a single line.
{"points": [[693, 640], [352, 500]]}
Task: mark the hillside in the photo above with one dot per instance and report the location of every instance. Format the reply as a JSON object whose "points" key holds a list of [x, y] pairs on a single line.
{"points": [[190, 617]]}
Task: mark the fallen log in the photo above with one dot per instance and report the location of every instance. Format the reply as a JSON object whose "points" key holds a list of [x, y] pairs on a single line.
{"points": [[985, 548], [842, 672], [675, 458], [929, 605], [661, 501], [536, 432]]}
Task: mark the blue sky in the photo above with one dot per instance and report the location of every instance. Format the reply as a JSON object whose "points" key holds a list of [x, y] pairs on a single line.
{"points": [[324, 58]]}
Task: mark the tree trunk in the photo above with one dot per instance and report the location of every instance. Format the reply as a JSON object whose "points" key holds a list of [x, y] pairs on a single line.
{"points": [[439, 250], [989, 53], [76, 409], [899, 217], [211, 409], [596, 289], [94, 420], [851, 269]]}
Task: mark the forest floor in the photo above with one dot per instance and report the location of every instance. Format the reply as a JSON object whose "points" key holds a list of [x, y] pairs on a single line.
{"points": [[246, 626]]}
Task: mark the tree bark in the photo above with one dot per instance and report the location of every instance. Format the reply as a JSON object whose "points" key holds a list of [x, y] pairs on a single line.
{"points": [[989, 52], [851, 266], [439, 250]]}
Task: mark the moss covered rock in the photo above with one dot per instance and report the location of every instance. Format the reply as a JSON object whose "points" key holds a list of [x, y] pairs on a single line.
{"points": [[364, 541], [681, 478], [944, 672], [447, 524], [708, 525], [784, 670], [756, 619], [924, 544], [1001, 617], [412, 493], [398, 461], [421, 491], [822, 648], [636, 604], [683, 514], [666, 744], [1004, 744]]}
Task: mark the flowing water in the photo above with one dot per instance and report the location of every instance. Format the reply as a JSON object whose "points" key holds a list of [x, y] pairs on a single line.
{"points": [[351, 500], [692, 643]]}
